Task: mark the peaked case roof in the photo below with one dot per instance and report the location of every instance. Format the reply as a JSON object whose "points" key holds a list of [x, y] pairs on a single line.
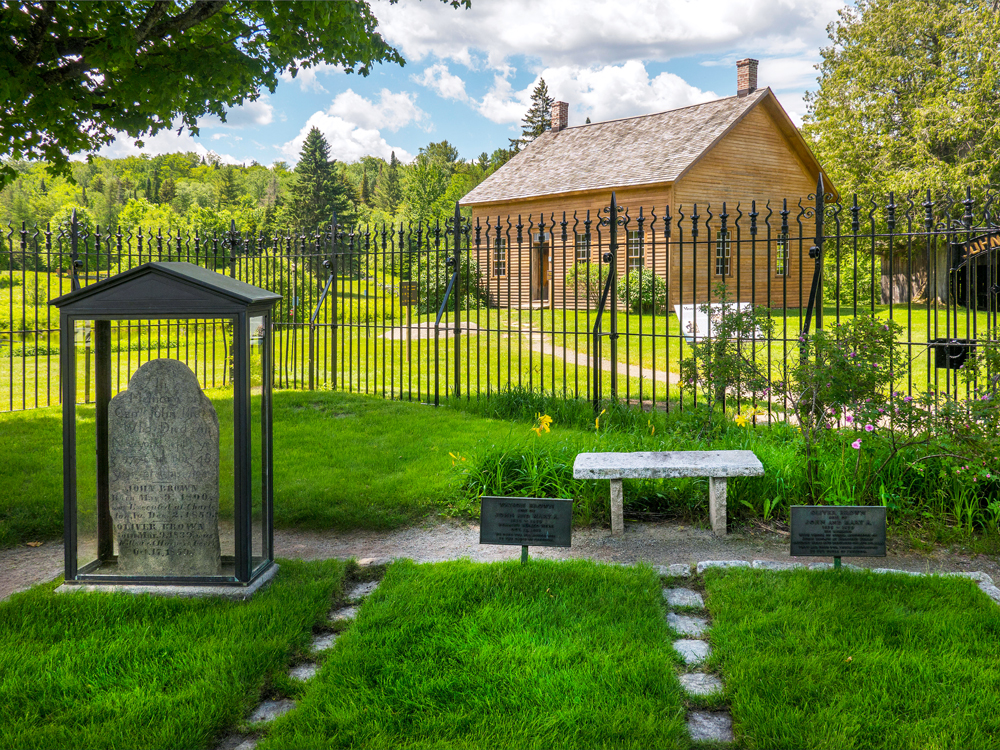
{"points": [[642, 150], [164, 287]]}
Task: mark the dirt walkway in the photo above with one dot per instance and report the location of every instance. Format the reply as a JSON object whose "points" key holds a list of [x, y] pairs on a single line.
{"points": [[655, 543]]}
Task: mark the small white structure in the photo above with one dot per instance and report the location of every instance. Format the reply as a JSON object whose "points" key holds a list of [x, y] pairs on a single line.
{"points": [[716, 465]]}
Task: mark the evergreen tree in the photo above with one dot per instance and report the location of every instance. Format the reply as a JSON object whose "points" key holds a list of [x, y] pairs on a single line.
{"points": [[365, 197], [388, 190], [539, 116], [167, 191], [588, 121], [317, 192], [229, 190]]}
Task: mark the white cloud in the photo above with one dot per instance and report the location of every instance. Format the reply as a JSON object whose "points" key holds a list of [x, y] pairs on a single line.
{"points": [[308, 78], [444, 83], [392, 112], [569, 32], [164, 142], [251, 114], [601, 93], [352, 125]]}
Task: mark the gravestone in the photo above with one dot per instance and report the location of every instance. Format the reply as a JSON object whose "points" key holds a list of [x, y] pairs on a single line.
{"points": [[164, 474]]}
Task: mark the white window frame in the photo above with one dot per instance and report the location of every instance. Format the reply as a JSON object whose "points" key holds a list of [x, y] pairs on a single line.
{"points": [[582, 248], [499, 256], [635, 250], [724, 253], [781, 256]]}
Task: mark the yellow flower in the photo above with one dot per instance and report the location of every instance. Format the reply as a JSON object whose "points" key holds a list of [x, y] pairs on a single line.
{"points": [[652, 428], [455, 457], [740, 420], [544, 420], [597, 422]]}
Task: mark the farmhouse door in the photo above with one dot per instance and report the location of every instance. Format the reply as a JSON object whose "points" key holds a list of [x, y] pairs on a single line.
{"points": [[542, 273]]}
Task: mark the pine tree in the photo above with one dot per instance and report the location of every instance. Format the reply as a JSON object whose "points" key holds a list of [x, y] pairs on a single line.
{"points": [[167, 191], [388, 190], [588, 121], [365, 197], [539, 117], [317, 192], [229, 190]]}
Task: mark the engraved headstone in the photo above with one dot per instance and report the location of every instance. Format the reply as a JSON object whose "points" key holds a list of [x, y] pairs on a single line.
{"points": [[164, 474]]}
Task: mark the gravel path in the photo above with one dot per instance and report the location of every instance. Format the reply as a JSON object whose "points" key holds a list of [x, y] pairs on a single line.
{"points": [[655, 543]]}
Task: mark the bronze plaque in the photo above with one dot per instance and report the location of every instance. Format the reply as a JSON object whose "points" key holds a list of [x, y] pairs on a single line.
{"points": [[407, 293], [838, 530], [526, 521]]}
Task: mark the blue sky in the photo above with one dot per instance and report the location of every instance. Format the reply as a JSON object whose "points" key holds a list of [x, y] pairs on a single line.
{"points": [[470, 73]]}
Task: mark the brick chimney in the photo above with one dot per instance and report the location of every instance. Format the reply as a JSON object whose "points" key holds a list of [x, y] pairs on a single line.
{"points": [[560, 116], [746, 77]]}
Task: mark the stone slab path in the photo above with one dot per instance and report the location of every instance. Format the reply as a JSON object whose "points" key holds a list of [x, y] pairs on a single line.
{"points": [[668, 544]]}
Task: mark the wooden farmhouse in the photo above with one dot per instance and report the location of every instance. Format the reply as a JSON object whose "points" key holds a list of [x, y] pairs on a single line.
{"points": [[735, 150]]}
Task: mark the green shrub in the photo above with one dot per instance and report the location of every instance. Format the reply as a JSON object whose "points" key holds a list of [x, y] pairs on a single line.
{"points": [[642, 291], [588, 281]]}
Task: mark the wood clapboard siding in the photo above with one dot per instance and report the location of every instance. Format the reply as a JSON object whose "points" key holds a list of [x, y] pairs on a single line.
{"points": [[760, 158], [754, 161], [522, 260]]}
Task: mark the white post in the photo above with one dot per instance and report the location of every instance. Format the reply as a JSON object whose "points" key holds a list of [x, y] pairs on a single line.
{"points": [[717, 504], [617, 521]]}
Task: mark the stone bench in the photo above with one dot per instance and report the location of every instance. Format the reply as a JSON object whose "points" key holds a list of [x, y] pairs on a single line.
{"points": [[716, 465]]}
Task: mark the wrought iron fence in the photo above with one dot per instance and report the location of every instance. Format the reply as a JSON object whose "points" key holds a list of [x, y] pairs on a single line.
{"points": [[578, 305]]}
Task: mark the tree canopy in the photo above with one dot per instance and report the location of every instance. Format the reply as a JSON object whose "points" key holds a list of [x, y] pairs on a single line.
{"points": [[317, 193], [539, 116], [908, 96], [74, 74]]}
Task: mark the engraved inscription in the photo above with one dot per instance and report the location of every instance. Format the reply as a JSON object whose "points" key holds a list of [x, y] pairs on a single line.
{"points": [[525, 521], [838, 531], [164, 473]]}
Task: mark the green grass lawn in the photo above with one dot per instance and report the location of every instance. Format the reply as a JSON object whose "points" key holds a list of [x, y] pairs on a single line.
{"points": [[120, 671], [841, 659], [465, 655], [343, 461]]}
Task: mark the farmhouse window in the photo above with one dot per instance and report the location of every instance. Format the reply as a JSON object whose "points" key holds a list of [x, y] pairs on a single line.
{"points": [[723, 253], [781, 256], [500, 256], [634, 257], [582, 248]]}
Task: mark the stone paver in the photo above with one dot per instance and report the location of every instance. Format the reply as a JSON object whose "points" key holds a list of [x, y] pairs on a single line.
{"points": [[991, 591], [710, 725], [678, 570], [323, 641], [304, 672], [706, 564], [247, 744], [683, 598], [270, 710], [237, 742], [344, 613], [693, 652], [362, 589], [893, 570], [372, 562], [683, 625], [820, 566], [699, 683], [776, 565], [976, 575]]}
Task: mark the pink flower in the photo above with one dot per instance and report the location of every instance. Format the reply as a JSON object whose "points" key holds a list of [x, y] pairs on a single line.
{"points": [[856, 444], [908, 399], [869, 427], [849, 419]]}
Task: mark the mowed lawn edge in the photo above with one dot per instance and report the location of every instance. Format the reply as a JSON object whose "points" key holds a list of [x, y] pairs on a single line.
{"points": [[461, 654], [86, 670], [847, 659], [338, 465]]}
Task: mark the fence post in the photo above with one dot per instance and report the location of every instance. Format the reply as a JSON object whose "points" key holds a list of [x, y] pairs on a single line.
{"points": [[334, 302], [613, 273], [457, 250], [820, 210], [233, 240]]}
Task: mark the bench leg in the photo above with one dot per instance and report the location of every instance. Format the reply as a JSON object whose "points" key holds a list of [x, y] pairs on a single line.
{"points": [[717, 504], [617, 521]]}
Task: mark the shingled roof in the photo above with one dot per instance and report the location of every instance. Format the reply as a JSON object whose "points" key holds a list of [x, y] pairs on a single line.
{"points": [[634, 151]]}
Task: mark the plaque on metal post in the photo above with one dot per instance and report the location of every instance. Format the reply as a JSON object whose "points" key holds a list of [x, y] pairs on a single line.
{"points": [[838, 531], [407, 293], [526, 521]]}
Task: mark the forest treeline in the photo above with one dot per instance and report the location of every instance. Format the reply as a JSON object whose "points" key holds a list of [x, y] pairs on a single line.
{"points": [[191, 193]]}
